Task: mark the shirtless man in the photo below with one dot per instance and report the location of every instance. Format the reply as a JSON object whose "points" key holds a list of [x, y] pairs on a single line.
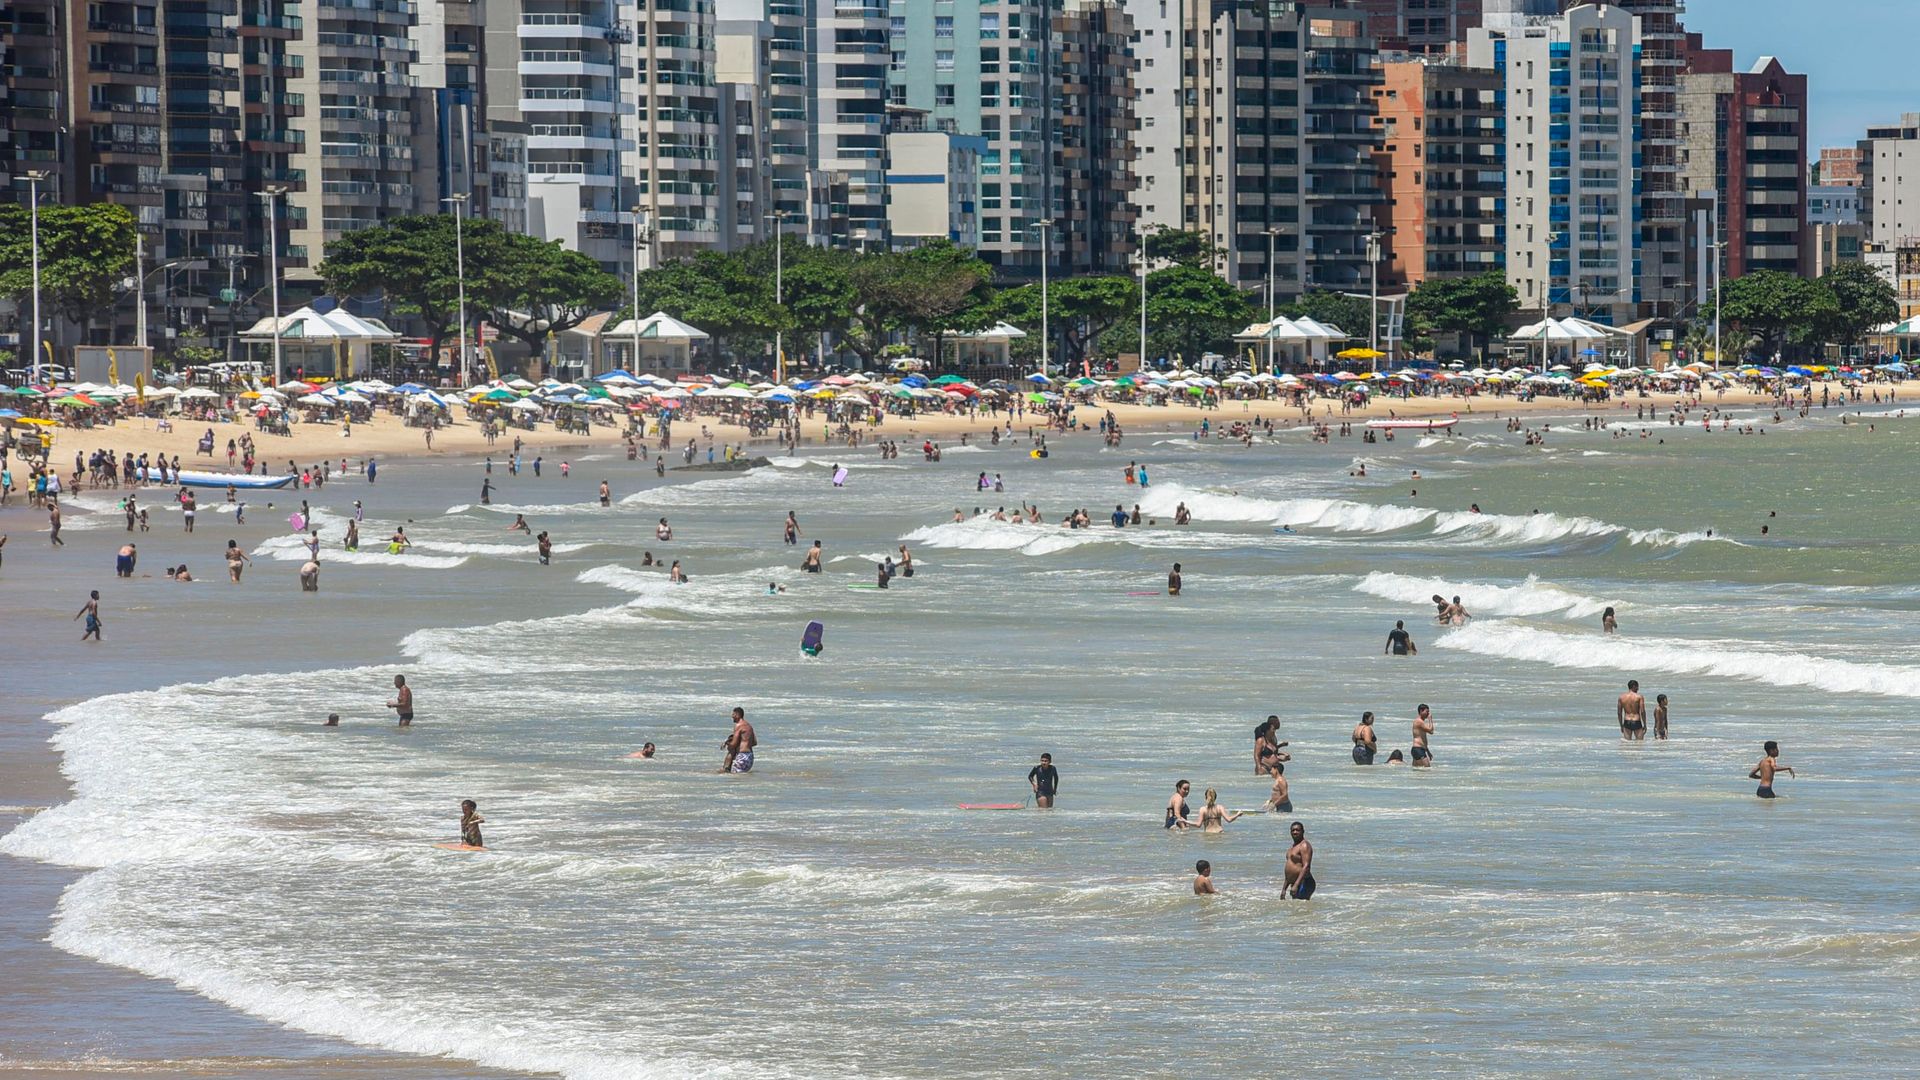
{"points": [[1299, 879], [91, 609], [606, 494], [740, 744], [1173, 581], [811, 564], [1660, 717], [1769, 765], [402, 702], [1203, 879], [1280, 800], [1631, 712], [1422, 727], [1364, 743]]}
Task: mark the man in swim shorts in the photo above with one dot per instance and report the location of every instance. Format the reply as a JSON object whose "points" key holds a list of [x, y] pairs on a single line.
{"points": [[1299, 871], [1422, 727], [1769, 765], [1631, 711], [740, 744], [402, 702]]}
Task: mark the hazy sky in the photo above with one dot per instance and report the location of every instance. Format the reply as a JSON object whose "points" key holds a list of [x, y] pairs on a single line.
{"points": [[1858, 55]]}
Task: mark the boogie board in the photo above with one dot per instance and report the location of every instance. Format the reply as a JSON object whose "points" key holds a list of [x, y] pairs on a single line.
{"points": [[1155, 592], [810, 641], [993, 806], [458, 847], [839, 477], [298, 521]]}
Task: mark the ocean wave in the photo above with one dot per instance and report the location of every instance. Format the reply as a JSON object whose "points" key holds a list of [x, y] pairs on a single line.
{"points": [[1347, 516], [986, 534], [373, 552], [1679, 656], [1531, 597], [458, 547]]}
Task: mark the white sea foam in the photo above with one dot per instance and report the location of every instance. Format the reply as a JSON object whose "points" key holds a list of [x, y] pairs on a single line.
{"points": [[373, 552], [1531, 597], [458, 547], [1679, 656], [986, 534], [1342, 515]]}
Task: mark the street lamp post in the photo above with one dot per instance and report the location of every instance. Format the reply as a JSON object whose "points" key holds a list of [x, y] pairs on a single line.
{"points": [[1373, 290], [779, 294], [34, 177], [1143, 299], [460, 272], [271, 193], [1045, 225], [639, 215], [1717, 243], [1272, 315]]}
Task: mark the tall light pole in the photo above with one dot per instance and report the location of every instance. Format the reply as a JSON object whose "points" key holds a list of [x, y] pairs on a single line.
{"points": [[1272, 314], [1716, 279], [1373, 326], [779, 295], [460, 272], [34, 178], [1143, 299], [1045, 225], [639, 215], [271, 193]]}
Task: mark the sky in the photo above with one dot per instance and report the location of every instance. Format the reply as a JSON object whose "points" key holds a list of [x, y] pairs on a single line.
{"points": [[1850, 51]]}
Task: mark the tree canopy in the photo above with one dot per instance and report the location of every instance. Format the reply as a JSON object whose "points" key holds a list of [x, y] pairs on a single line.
{"points": [[1190, 310], [1079, 311], [1478, 307], [1772, 306], [85, 253], [1863, 300]]}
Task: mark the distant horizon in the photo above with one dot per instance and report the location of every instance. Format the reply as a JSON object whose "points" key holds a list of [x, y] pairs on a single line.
{"points": [[1850, 53]]}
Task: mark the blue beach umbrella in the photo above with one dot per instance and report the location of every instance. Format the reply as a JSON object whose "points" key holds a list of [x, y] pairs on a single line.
{"points": [[1036, 377]]}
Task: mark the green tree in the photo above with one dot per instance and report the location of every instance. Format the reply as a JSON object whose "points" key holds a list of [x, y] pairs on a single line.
{"points": [[536, 288], [414, 262], [1477, 307], [1191, 309], [1180, 247], [1863, 300], [932, 290], [1772, 305], [1079, 311], [85, 252]]}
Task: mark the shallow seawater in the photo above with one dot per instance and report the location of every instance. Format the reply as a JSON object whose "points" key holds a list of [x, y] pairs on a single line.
{"points": [[1545, 901]]}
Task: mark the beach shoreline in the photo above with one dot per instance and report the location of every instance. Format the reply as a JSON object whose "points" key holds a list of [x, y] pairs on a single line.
{"points": [[388, 438]]}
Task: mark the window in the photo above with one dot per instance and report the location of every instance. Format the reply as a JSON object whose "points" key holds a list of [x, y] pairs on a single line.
{"points": [[989, 27], [943, 26], [943, 60], [942, 93]]}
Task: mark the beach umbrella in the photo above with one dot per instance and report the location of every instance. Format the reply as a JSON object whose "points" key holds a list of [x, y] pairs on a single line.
{"points": [[320, 400], [1039, 379], [9, 414], [947, 380], [1360, 353], [501, 394]]}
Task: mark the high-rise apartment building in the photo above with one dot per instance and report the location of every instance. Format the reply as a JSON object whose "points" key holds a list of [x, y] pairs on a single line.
{"points": [[1096, 207], [1440, 167], [1420, 27], [850, 61], [1745, 140], [1572, 159], [1890, 183], [1665, 290]]}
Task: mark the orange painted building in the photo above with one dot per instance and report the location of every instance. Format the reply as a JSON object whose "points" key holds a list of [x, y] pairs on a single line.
{"points": [[1442, 216]]}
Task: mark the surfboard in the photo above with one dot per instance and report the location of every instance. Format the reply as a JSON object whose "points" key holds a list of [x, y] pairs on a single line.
{"points": [[993, 806], [458, 847], [1154, 592], [1411, 425], [810, 641], [863, 586]]}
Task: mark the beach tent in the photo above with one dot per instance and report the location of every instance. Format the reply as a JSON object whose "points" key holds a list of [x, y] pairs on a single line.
{"points": [[335, 341], [664, 343]]}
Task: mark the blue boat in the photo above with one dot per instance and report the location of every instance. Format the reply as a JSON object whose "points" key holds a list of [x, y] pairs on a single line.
{"points": [[237, 480]]}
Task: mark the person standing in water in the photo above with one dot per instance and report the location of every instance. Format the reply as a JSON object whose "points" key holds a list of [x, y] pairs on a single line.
{"points": [[1399, 642], [91, 609], [236, 561], [353, 536], [1214, 817], [1660, 717], [1044, 779], [402, 702], [1365, 745], [740, 744], [791, 531], [470, 821], [1173, 581], [1769, 765], [1280, 799], [1608, 624], [811, 564], [1177, 807], [1299, 872], [606, 494], [1631, 711], [1203, 879], [545, 548], [1422, 728]]}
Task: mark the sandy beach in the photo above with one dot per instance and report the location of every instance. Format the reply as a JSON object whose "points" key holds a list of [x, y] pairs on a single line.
{"points": [[387, 437]]}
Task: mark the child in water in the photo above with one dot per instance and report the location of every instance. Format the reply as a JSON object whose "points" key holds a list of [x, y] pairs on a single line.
{"points": [[470, 820]]}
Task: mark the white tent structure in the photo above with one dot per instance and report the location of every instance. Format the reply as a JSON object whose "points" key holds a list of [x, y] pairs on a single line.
{"points": [[989, 348], [1564, 339], [658, 342], [1296, 342], [335, 342]]}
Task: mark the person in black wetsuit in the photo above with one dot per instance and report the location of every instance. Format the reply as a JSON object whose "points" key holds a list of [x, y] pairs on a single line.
{"points": [[1044, 779], [1399, 642]]}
